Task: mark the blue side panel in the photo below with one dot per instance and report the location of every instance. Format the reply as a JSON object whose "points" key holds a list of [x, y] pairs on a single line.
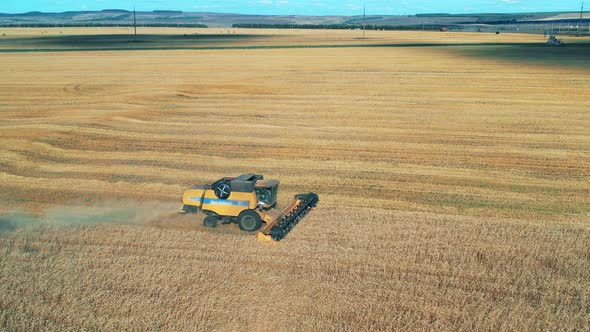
{"points": [[196, 199], [230, 202]]}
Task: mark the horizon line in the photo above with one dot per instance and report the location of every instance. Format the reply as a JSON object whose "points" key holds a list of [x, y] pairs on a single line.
{"points": [[233, 13]]}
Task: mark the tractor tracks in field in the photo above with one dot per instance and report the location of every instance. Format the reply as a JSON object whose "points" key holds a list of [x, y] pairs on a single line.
{"points": [[73, 88], [89, 88], [83, 88]]}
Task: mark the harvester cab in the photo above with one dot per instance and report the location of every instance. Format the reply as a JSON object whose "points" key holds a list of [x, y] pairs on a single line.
{"points": [[250, 201]]}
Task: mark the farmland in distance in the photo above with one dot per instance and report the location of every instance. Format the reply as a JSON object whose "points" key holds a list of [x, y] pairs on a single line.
{"points": [[452, 168]]}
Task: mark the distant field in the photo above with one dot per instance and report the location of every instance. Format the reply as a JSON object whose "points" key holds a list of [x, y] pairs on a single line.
{"points": [[513, 47], [565, 16], [453, 171], [173, 18], [66, 38]]}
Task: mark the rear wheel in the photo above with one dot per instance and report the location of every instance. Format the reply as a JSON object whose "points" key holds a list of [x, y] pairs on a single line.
{"points": [[249, 221], [210, 221]]}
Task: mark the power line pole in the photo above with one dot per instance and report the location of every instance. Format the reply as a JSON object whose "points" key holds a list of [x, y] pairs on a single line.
{"points": [[580, 23], [364, 15], [134, 23]]}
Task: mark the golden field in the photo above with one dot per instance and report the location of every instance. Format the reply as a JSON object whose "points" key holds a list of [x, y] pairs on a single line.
{"points": [[453, 181]]}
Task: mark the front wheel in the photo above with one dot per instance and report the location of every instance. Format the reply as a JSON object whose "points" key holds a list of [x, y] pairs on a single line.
{"points": [[249, 221], [210, 221]]}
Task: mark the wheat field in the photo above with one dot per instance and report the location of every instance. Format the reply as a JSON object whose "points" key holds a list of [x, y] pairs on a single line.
{"points": [[453, 181]]}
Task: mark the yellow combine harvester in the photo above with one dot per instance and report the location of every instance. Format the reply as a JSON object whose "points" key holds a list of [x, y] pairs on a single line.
{"points": [[249, 201]]}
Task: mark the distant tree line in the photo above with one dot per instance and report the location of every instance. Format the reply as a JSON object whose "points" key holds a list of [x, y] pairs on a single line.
{"points": [[101, 25], [339, 26]]}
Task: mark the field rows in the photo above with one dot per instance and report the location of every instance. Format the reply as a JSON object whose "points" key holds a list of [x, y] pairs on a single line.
{"points": [[434, 272], [444, 141], [453, 189]]}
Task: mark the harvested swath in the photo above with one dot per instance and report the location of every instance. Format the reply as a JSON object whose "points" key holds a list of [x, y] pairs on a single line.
{"points": [[340, 269], [453, 189]]}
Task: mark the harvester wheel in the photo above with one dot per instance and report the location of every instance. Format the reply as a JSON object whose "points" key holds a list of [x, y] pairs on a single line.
{"points": [[249, 220], [210, 221]]}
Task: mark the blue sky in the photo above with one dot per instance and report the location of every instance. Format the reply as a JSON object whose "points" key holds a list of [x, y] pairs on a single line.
{"points": [[302, 7]]}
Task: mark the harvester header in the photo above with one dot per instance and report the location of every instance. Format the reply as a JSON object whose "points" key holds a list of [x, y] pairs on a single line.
{"points": [[250, 201]]}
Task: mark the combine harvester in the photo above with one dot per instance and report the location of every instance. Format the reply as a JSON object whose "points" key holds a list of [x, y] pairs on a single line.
{"points": [[249, 201]]}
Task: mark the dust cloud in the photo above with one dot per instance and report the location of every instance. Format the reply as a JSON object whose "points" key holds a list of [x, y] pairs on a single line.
{"points": [[151, 213]]}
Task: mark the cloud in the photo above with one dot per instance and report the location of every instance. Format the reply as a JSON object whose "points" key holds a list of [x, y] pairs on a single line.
{"points": [[353, 6]]}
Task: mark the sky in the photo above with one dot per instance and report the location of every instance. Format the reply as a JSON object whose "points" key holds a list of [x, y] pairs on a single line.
{"points": [[302, 7]]}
